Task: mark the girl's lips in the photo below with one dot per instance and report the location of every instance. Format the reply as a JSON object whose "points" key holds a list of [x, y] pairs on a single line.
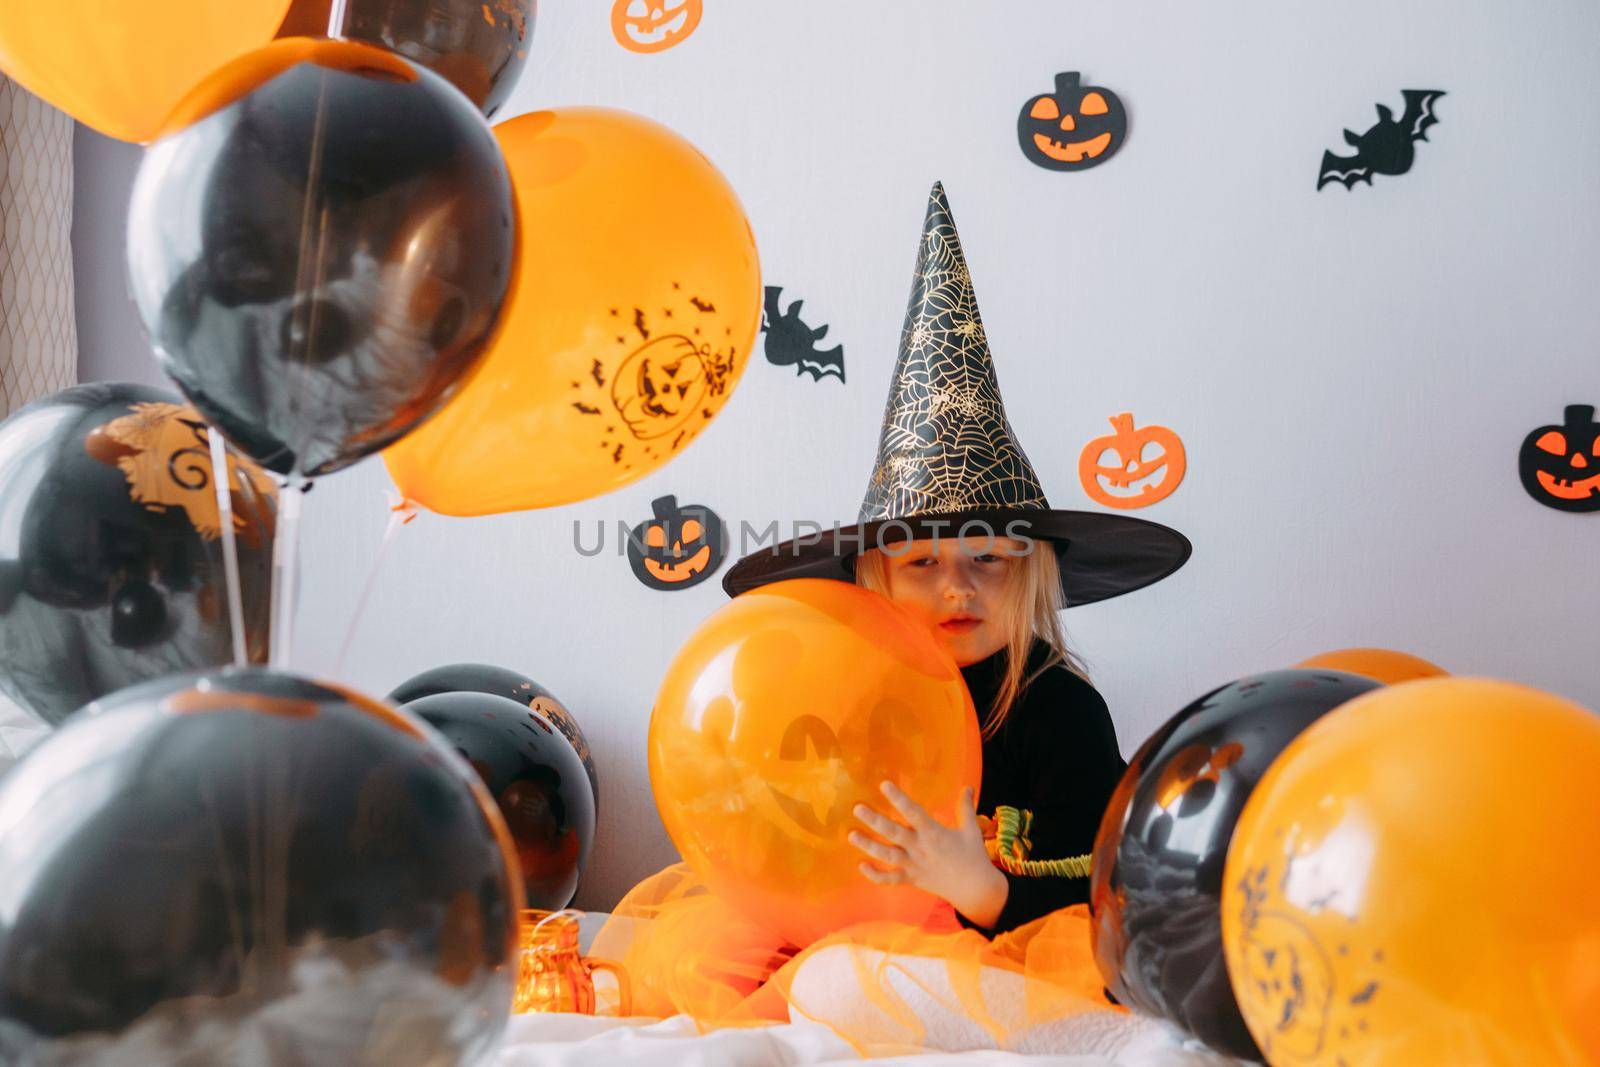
{"points": [[960, 626]]}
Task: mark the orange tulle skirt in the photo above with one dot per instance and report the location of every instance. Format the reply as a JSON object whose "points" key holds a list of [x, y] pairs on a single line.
{"points": [[884, 987]]}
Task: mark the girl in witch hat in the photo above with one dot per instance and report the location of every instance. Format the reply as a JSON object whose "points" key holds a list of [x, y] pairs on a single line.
{"points": [[956, 529]]}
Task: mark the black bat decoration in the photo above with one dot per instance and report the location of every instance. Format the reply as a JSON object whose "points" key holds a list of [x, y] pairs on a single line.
{"points": [[702, 305], [792, 343], [638, 324], [1388, 147]]}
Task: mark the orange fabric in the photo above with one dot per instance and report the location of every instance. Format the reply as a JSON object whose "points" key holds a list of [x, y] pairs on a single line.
{"points": [[883, 986]]}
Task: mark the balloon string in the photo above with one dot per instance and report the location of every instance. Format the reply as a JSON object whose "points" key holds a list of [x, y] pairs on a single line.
{"points": [[285, 564], [336, 18], [221, 476], [401, 511]]}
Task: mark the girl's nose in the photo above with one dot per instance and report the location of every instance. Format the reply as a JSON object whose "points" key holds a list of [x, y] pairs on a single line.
{"points": [[959, 589]]}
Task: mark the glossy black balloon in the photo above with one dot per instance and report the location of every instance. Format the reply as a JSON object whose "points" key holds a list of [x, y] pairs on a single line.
{"points": [[250, 867], [481, 46], [323, 251], [111, 559], [1156, 889], [483, 678], [536, 778]]}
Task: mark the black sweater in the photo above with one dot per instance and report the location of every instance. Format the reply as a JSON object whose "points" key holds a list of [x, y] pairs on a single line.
{"points": [[1056, 755]]}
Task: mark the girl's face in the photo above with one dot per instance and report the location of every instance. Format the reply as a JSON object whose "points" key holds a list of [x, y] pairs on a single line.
{"points": [[955, 586]]}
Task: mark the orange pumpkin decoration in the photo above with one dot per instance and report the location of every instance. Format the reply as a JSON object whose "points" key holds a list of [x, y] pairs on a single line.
{"points": [[1134, 480], [647, 26]]}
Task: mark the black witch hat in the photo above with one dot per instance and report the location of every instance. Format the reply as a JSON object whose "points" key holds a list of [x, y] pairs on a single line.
{"points": [[948, 458]]}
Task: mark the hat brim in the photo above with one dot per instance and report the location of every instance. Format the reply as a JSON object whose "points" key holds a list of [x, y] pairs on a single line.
{"points": [[1102, 555]]}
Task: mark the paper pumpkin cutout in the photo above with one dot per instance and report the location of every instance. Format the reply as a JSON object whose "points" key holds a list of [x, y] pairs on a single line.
{"points": [[679, 547], [1560, 465], [1388, 147], [792, 343], [647, 26], [1073, 128], [1134, 479]]}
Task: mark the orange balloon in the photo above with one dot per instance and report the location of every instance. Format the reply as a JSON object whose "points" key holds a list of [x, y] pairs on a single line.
{"points": [[121, 67], [1413, 881], [1379, 664], [632, 318], [781, 713]]}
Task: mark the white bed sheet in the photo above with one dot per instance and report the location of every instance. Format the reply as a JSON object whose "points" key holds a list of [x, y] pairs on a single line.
{"points": [[589, 1041], [19, 731]]}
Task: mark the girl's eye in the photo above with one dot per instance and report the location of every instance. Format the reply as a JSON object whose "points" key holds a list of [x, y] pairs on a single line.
{"points": [[987, 557], [923, 561]]}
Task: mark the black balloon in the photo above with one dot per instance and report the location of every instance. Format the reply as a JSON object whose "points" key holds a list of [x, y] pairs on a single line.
{"points": [[1156, 889], [250, 867], [480, 45], [111, 559], [483, 678], [323, 252], [535, 776]]}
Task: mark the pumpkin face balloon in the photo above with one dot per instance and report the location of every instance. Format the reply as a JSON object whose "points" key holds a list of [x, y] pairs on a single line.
{"points": [[1145, 464], [1074, 128], [761, 746], [679, 547], [1560, 465], [653, 25]]}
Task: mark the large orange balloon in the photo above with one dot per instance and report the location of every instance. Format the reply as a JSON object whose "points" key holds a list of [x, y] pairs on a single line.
{"points": [[1380, 664], [782, 712], [1413, 882], [121, 67], [632, 319]]}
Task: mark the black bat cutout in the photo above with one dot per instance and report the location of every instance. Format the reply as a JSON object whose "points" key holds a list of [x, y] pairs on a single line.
{"points": [[1389, 147], [792, 343]]}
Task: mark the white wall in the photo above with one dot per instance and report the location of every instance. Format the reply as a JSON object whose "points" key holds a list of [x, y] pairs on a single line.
{"points": [[1353, 372]]}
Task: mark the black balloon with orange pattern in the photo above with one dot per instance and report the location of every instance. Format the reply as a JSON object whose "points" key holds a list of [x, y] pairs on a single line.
{"points": [[111, 557], [1156, 884], [246, 866], [536, 778]]}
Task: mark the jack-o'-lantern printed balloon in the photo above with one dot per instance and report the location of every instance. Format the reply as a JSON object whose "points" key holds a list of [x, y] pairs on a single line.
{"points": [[1156, 885], [632, 320], [535, 777], [1132, 468], [653, 25], [1380, 664], [320, 249], [480, 46], [122, 67], [111, 560], [679, 547], [1074, 128], [249, 867], [1413, 881], [789, 706], [1560, 465], [483, 678]]}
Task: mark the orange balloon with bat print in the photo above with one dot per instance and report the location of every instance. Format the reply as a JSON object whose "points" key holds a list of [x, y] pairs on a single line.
{"points": [[631, 319]]}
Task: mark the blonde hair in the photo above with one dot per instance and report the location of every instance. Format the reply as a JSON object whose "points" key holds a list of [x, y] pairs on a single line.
{"points": [[1030, 609]]}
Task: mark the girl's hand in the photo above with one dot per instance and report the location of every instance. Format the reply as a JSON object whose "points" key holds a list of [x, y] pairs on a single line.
{"points": [[949, 862]]}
